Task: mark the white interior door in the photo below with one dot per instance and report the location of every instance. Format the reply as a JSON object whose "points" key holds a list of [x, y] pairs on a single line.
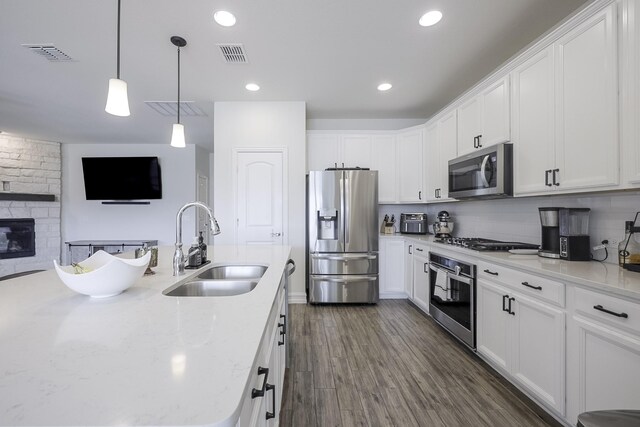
{"points": [[260, 197]]}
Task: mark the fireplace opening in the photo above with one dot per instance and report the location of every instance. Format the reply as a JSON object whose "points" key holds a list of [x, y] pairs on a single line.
{"points": [[17, 238]]}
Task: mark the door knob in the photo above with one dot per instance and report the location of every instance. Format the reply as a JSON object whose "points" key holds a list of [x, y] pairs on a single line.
{"points": [[276, 234]]}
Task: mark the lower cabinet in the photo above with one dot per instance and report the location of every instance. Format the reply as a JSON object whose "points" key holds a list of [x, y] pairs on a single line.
{"points": [[263, 399], [391, 262], [526, 339], [420, 263]]}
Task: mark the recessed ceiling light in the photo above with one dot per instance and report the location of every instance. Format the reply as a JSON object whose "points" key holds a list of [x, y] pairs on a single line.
{"points": [[384, 86], [224, 18], [252, 87], [430, 18]]}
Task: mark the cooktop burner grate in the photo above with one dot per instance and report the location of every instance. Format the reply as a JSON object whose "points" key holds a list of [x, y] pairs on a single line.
{"points": [[482, 244]]}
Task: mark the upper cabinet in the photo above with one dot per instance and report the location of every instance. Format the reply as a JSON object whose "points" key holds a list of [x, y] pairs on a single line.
{"points": [[565, 111], [484, 119], [630, 91], [356, 151], [336, 150], [440, 147], [383, 159], [410, 164]]}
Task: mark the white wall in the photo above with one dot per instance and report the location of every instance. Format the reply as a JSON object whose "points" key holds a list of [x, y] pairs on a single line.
{"points": [[89, 219], [262, 124]]}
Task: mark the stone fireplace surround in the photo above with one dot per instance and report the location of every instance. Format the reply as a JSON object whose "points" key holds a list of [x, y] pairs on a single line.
{"points": [[32, 167]]}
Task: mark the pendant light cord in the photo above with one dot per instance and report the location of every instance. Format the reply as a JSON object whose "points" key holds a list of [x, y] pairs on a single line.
{"points": [[118, 55], [178, 85]]}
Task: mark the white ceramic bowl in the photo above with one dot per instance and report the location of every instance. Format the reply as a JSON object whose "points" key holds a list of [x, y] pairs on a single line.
{"points": [[109, 275]]}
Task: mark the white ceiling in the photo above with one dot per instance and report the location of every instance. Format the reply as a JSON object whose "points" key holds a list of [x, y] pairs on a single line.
{"points": [[330, 53]]}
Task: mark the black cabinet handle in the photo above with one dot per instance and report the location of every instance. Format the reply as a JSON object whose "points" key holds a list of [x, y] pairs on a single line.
{"points": [[435, 193], [531, 286], [272, 414], [613, 313], [419, 195], [419, 250], [284, 323], [511, 312], [475, 142], [479, 139], [493, 273], [555, 181], [504, 303], [546, 177], [425, 266], [259, 393], [410, 246]]}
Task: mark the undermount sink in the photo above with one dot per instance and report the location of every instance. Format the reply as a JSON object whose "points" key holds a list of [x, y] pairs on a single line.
{"points": [[212, 288], [219, 281]]}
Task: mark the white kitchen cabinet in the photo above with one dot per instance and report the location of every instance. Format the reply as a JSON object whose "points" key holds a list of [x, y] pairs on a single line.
{"points": [[383, 159], [533, 122], [440, 143], [484, 119], [630, 91], [356, 151], [420, 292], [410, 164], [587, 104], [408, 268], [392, 270], [526, 339], [322, 151]]}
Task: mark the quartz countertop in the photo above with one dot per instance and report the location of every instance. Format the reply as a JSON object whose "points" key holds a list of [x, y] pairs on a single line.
{"points": [[604, 277], [139, 358]]}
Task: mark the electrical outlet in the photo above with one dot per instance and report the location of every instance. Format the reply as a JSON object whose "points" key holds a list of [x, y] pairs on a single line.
{"points": [[613, 243]]}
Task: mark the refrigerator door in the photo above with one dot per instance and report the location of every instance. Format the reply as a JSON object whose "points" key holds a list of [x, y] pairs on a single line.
{"points": [[326, 211], [360, 211], [359, 263], [340, 289]]}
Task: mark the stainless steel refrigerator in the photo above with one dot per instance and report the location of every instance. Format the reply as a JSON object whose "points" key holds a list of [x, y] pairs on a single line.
{"points": [[342, 226]]}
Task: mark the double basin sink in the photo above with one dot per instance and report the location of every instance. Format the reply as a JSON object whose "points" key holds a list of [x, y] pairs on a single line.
{"points": [[218, 281]]}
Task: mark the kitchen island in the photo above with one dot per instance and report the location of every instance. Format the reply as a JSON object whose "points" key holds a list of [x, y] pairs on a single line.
{"points": [[139, 358]]}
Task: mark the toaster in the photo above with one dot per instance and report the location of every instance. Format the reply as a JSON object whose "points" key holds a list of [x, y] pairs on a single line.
{"points": [[413, 223]]}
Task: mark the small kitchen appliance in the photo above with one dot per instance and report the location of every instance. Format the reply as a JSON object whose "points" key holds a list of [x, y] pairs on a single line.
{"points": [[444, 226], [575, 244], [413, 223], [549, 221], [483, 174]]}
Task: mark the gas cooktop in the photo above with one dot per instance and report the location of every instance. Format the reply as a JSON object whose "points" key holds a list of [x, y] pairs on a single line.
{"points": [[482, 244]]}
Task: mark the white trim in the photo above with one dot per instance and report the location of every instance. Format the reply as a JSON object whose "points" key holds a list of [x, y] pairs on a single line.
{"points": [[393, 295], [297, 298]]}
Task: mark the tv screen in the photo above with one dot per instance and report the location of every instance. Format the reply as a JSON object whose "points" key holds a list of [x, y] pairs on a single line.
{"points": [[122, 178]]}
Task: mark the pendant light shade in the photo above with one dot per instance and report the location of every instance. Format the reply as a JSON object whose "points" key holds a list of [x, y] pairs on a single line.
{"points": [[117, 98], [177, 137]]}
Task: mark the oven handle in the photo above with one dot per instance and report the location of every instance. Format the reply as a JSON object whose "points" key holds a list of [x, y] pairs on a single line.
{"points": [[451, 276]]}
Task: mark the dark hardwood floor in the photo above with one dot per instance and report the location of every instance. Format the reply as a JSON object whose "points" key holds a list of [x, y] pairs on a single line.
{"points": [[390, 365]]}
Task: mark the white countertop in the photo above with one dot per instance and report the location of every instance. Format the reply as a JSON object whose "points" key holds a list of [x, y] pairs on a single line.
{"points": [[139, 358], [604, 277]]}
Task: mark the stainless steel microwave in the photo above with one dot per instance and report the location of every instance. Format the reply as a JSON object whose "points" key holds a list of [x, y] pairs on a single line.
{"points": [[486, 173]]}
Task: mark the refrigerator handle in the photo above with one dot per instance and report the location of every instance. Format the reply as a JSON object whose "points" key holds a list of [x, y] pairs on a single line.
{"points": [[347, 214]]}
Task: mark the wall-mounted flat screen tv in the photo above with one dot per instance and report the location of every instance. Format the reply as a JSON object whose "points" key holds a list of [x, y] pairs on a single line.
{"points": [[122, 178]]}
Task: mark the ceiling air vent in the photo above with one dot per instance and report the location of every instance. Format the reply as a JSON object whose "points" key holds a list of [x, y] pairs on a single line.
{"points": [[49, 51], [233, 53], [170, 108]]}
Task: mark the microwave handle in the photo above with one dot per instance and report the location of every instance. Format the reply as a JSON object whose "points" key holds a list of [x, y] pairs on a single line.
{"points": [[483, 171]]}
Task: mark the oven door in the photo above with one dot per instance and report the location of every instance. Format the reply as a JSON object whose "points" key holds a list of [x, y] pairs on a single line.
{"points": [[484, 173], [454, 305]]}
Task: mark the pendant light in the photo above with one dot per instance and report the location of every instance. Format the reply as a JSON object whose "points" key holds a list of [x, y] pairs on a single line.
{"points": [[117, 99], [177, 137]]}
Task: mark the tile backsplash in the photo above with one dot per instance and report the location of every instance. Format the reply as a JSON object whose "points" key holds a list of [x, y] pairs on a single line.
{"points": [[518, 219]]}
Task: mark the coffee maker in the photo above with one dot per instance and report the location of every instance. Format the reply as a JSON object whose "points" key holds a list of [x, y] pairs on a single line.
{"points": [[549, 220], [575, 243]]}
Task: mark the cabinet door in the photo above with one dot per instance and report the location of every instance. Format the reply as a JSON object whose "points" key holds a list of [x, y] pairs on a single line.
{"points": [[495, 113], [383, 159], [630, 90], [421, 282], [408, 267], [538, 350], [432, 163], [608, 368], [469, 125], [447, 133], [322, 151], [492, 324], [533, 122], [409, 149], [587, 104], [356, 151], [392, 274]]}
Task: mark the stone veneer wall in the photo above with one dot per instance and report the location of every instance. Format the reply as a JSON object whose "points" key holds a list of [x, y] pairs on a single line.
{"points": [[30, 166]]}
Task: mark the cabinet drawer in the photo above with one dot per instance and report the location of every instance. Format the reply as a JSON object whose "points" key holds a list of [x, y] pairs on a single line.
{"points": [[610, 309], [525, 283], [420, 249]]}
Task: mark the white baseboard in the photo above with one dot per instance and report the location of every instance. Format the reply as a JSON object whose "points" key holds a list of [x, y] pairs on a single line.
{"points": [[297, 298], [393, 295]]}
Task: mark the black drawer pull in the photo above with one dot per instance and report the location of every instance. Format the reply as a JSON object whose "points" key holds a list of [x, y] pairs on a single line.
{"points": [[259, 393], [546, 178], [493, 273], [283, 324], [511, 312], [272, 414], [410, 246], [419, 250], [531, 286], [504, 303], [613, 313]]}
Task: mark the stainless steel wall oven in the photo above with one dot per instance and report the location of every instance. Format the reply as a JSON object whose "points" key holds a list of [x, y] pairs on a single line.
{"points": [[452, 299]]}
